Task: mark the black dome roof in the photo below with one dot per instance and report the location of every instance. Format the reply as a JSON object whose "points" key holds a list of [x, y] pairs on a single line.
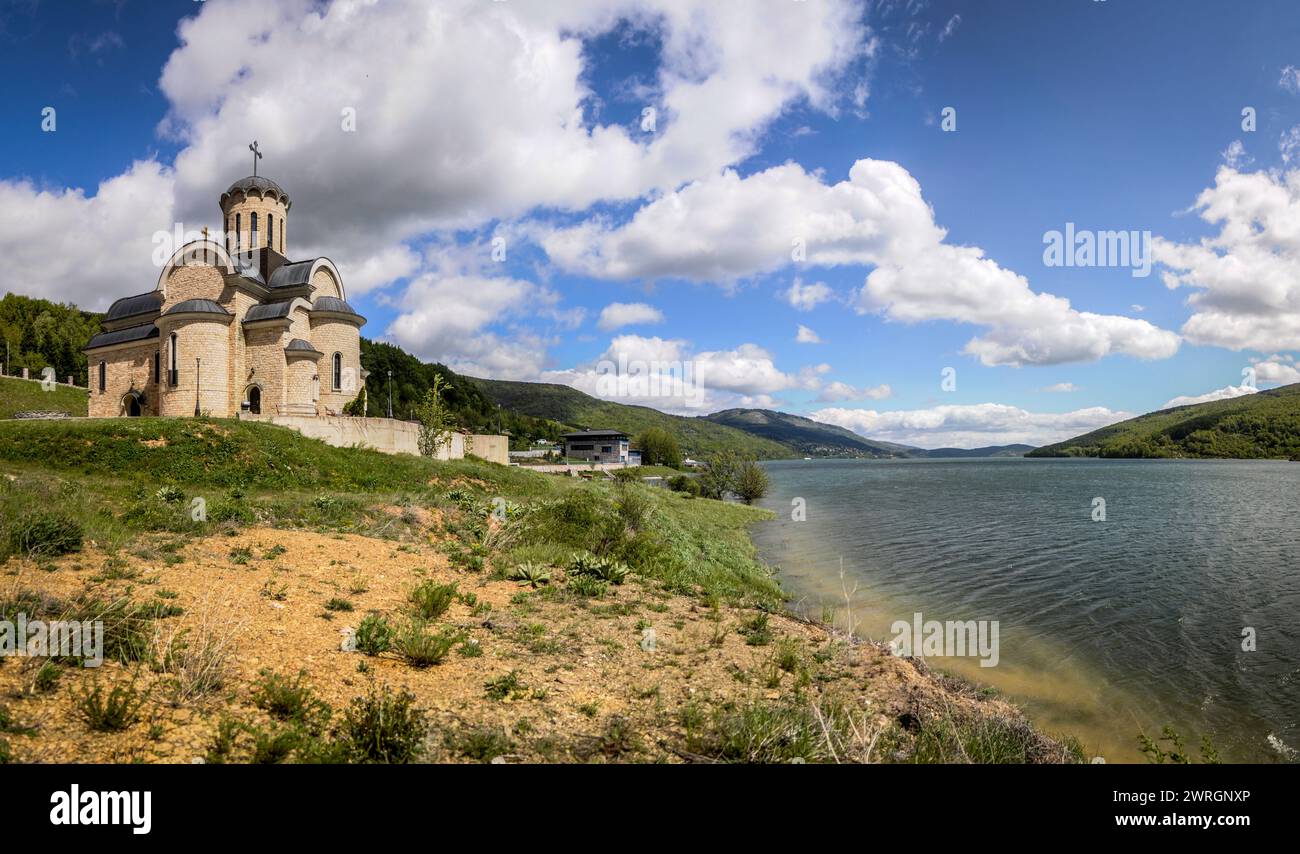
{"points": [[259, 184]]}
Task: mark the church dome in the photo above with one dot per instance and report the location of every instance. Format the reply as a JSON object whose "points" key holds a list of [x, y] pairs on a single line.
{"points": [[257, 184]]}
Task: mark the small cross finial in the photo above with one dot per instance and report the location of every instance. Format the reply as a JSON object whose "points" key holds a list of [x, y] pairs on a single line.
{"points": [[257, 155], [205, 232]]}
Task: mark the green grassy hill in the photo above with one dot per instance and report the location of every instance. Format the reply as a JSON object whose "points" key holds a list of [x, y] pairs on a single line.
{"points": [[19, 395], [698, 437], [107, 475], [1264, 425]]}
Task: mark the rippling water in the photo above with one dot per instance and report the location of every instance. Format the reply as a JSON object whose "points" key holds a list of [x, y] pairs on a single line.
{"points": [[1107, 628]]}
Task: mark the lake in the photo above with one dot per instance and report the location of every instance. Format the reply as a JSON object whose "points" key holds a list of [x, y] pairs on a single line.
{"points": [[1107, 628]]}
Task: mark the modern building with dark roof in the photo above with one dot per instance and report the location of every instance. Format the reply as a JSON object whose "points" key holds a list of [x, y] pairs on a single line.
{"points": [[598, 446], [232, 326]]}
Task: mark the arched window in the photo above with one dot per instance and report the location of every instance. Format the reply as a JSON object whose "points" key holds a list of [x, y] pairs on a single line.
{"points": [[338, 371], [157, 367], [282, 235], [252, 227], [270, 231], [172, 360], [238, 226], [230, 228], [103, 377]]}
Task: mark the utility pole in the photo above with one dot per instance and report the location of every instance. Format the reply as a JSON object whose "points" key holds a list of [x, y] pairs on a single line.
{"points": [[198, 365], [390, 393]]}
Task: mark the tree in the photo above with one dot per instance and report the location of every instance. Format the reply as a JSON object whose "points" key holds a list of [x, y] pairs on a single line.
{"points": [[751, 482], [435, 420], [730, 473], [659, 448], [719, 476]]}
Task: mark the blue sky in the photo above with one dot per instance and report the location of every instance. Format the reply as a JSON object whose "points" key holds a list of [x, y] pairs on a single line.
{"points": [[523, 122]]}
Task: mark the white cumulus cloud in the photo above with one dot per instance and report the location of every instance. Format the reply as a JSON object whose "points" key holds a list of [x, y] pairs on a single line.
{"points": [[1244, 280], [806, 336], [616, 315], [1225, 393], [725, 228], [969, 426]]}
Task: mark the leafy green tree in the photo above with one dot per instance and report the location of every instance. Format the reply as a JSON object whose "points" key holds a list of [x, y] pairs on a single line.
{"points": [[730, 473], [659, 448], [720, 474], [435, 420], [751, 482]]}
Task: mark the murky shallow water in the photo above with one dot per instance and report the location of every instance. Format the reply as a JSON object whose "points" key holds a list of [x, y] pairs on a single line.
{"points": [[1106, 628]]}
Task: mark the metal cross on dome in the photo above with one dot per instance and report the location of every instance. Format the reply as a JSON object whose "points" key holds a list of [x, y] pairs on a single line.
{"points": [[257, 155]]}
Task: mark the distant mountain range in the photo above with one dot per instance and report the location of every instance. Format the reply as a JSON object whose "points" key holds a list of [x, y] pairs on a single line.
{"points": [[1263, 425], [804, 436], [761, 433], [698, 437], [814, 439]]}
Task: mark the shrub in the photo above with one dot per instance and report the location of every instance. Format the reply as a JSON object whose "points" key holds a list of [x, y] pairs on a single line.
{"points": [[633, 507], [170, 495], [223, 743], [7, 724], [600, 568], [685, 484], [503, 687], [374, 634], [751, 482], [534, 575], [420, 648], [788, 655], [768, 733], [231, 509], [274, 745], [43, 533], [337, 604], [111, 712], [290, 700], [382, 728], [991, 740], [585, 585], [481, 744], [755, 630], [197, 660], [431, 600]]}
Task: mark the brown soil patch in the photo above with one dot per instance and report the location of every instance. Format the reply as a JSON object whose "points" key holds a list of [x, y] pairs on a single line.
{"points": [[581, 663]]}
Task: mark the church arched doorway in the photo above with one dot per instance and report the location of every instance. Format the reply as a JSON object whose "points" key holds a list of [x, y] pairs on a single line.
{"points": [[131, 405], [254, 400]]}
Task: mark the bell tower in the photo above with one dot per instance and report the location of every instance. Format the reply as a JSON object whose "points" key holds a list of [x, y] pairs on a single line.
{"points": [[255, 217]]}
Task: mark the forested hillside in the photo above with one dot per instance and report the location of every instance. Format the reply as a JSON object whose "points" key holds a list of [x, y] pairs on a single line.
{"points": [[38, 333], [1264, 425]]}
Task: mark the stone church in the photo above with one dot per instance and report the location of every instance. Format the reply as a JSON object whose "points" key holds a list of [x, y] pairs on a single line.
{"points": [[233, 326]]}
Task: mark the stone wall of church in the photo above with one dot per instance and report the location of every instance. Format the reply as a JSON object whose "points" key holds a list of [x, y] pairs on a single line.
{"points": [[239, 303], [336, 336], [206, 340], [125, 368], [245, 207], [196, 282], [264, 365], [324, 285], [300, 324], [300, 384]]}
